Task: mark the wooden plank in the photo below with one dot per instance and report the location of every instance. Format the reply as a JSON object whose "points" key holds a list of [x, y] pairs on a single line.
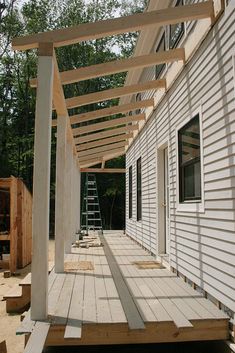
{"points": [[37, 338], [107, 133], [107, 124], [63, 303], [124, 108], [202, 330], [41, 189], [103, 142], [117, 109], [74, 324], [104, 170], [102, 154], [122, 65], [13, 225], [134, 318], [114, 93], [99, 29], [59, 99], [102, 149]]}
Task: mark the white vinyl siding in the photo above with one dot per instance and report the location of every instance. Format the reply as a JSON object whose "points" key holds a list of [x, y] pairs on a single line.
{"points": [[202, 245]]}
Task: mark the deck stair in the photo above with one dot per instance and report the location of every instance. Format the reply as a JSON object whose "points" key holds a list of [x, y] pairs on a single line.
{"points": [[18, 297]]}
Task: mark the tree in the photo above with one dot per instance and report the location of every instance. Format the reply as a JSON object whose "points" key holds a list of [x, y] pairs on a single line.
{"points": [[18, 99]]}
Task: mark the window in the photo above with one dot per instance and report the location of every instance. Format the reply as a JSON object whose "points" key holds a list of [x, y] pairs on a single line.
{"points": [[138, 99], [161, 47], [139, 192], [176, 31], [189, 161], [130, 192]]}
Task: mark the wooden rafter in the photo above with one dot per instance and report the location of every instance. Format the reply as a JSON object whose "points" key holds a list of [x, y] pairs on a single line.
{"points": [[103, 170], [89, 31], [108, 124], [103, 153], [94, 161], [107, 141], [117, 109], [112, 67], [105, 148], [107, 133], [114, 93]]}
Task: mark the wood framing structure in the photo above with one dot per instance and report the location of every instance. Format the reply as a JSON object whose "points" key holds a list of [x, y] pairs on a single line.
{"points": [[16, 224], [83, 146]]}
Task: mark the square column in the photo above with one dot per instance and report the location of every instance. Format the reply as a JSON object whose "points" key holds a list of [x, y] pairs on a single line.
{"points": [[41, 183]]}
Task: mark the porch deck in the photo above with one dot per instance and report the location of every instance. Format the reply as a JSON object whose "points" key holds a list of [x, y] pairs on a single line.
{"points": [[145, 305]]}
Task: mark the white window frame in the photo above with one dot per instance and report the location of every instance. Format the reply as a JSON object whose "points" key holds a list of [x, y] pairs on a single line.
{"points": [[195, 205]]}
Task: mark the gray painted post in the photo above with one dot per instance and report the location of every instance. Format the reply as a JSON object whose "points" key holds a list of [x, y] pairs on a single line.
{"points": [[41, 184]]}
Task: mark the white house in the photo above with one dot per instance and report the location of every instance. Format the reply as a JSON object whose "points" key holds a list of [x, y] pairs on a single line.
{"points": [[180, 180]]}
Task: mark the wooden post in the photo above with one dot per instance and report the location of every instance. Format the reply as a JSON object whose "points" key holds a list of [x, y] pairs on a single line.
{"points": [[79, 200], [41, 183], [68, 194], [60, 212]]}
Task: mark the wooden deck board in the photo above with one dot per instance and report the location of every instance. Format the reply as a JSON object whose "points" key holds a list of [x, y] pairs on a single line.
{"points": [[88, 301]]}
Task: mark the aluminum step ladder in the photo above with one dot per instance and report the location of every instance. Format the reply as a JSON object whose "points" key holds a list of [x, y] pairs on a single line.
{"points": [[91, 216]]}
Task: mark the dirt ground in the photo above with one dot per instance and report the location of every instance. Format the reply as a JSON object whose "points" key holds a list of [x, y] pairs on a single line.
{"points": [[10, 322]]}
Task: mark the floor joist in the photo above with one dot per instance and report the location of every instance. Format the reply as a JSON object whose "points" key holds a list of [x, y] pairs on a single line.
{"points": [[90, 31], [107, 124]]}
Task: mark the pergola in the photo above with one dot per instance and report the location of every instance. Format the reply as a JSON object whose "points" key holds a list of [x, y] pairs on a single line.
{"points": [[85, 146]]}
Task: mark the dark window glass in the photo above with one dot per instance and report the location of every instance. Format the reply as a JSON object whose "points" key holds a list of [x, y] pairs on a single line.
{"points": [[189, 161], [130, 192], [139, 191], [161, 47], [138, 99], [176, 30]]}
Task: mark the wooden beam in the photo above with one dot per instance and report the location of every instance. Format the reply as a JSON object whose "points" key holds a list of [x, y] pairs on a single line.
{"points": [[41, 185], [118, 109], [103, 170], [90, 163], [114, 93], [105, 148], [99, 29], [112, 67], [103, 154], [106, 124], [103, 142], [95, 161], [59, 100], [107, 133]]}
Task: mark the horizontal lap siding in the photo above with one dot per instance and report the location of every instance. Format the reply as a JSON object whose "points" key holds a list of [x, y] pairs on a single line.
{"points": [[202, 245]]}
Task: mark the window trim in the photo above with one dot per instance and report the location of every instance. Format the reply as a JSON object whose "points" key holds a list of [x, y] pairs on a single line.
{"points": [[130, 193], [192, 205], [138, 199]]}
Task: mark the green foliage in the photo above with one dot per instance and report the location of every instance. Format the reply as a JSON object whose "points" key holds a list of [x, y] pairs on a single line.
{"points": [[17, 99]]}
